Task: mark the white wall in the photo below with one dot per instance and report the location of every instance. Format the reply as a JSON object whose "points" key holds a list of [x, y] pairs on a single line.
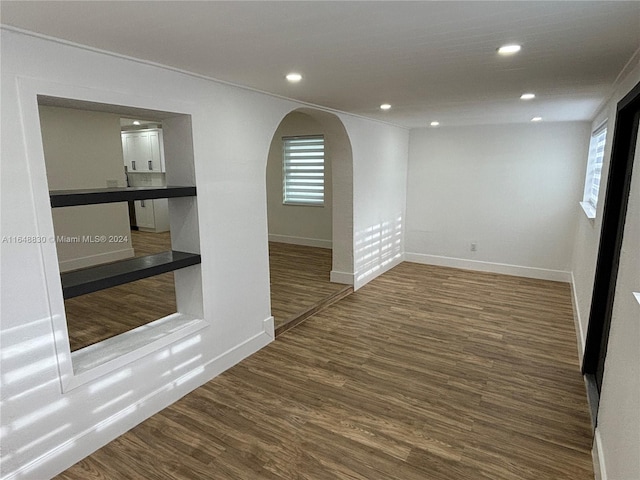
{"points": [[618, 431], [619, 412], [299, 224], [83, 150], [44, 430], [511, 189], [379, 197]]}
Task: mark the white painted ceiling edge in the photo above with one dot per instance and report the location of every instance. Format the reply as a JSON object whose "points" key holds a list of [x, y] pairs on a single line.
{"points": [[60, 102], [429, 60]]}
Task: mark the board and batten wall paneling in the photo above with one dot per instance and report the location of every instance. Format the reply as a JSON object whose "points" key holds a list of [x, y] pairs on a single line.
{"points": [[512, 190]]}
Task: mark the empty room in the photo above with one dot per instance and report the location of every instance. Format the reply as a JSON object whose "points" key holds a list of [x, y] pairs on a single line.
{"points": [[320, 240]]}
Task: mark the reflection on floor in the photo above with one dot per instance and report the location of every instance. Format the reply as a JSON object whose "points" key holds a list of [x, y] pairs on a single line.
{"points": [[424, 373], [299, 279], [100, 315]]}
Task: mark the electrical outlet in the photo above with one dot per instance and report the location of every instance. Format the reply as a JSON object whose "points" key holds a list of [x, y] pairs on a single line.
{"points": [[473, 247]]}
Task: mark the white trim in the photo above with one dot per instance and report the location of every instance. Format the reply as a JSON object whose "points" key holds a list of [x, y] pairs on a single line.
{"points": [[597, 455], [589, 211], [61, 41], [502, 268], [361, 279], [28, 90], [308, 242], [626, 70], [92, 260], [580, 337], [88, 441], [342, 277], [96, 360], [268, 324]]}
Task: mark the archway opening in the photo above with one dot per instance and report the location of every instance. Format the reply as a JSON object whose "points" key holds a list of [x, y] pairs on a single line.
{"points": [[310, 221]]}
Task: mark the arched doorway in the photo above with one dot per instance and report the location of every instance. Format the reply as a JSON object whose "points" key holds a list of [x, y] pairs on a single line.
{"points": [[311, 246]]}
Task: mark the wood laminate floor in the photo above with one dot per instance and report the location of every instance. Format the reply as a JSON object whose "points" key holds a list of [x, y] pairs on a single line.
{"points": [[100, 315], [299, 280], [424, 373]]}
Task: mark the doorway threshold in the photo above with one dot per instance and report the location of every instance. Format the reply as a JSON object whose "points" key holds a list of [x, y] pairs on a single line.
{"points": [[300, 317]]}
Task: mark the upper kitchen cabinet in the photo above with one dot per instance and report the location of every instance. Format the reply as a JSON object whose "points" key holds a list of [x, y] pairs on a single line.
{"points": [[143, 151]]}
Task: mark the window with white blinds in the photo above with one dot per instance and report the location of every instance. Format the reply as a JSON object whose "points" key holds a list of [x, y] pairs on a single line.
{"points": [[303, 170], [594, 166]]}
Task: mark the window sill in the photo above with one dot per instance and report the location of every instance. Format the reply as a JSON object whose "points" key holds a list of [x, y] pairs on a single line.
{"points": [[301, 204], [589, 211], [116, 352]]}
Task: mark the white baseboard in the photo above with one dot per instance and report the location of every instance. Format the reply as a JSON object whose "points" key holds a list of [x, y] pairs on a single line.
{"points": [[269, 327], [599, 467], [502, 268], [341, 277], [580, 336], [88, 441], [91, 260], [308, 242], [362, 278]]}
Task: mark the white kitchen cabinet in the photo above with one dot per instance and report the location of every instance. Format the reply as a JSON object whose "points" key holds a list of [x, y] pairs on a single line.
{"points": [[143, 151], [152, 215]]}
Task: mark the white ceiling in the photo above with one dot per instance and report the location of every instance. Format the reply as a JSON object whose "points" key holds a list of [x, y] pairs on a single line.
{"points": [[430, 60]]}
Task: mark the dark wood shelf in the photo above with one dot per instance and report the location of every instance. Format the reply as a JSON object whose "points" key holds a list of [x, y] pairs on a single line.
{"points": [[92, 279], [69, 198]]}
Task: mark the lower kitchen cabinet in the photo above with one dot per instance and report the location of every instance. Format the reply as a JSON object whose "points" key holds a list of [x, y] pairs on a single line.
{"points": [[152, 215]]}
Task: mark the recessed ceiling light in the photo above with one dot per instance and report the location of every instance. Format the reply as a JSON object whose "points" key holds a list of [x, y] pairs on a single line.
{"points": [[136, 122], [294, 77], [527, 96], [536, 119], [509, 49], [385, 106], [434, 124]]}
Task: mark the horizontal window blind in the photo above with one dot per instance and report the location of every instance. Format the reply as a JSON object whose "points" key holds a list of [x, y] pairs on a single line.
{"points": [[594, 166], [303, 176]]}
